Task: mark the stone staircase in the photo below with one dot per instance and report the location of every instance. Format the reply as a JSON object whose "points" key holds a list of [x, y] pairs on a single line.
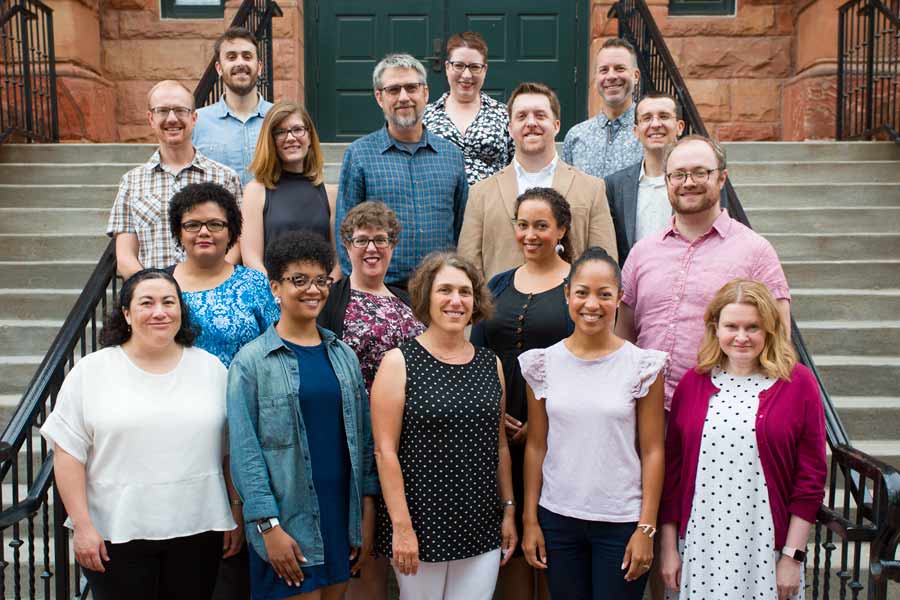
{"points": [[832, 210]]}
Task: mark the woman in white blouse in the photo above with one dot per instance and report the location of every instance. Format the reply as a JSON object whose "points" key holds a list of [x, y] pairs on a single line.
{"points": [[139, 446]]}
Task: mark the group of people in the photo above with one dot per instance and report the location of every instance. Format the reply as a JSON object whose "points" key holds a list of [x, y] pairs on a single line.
{"points": [[487, 368]]}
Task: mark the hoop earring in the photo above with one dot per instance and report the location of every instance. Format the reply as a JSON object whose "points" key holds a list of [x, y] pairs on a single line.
{"points": [[278, 300], [560, 248]]}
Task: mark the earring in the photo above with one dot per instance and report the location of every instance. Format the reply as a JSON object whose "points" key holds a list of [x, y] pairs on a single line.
{"points": [[278, 300], [560, 248]]}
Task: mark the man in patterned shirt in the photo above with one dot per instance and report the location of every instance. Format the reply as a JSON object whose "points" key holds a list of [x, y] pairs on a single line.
{"points": [[421, 176], [606, 143], [139, 220]]}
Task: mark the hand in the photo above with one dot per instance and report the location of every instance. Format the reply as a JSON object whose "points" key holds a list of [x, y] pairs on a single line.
{"points": [[510, 537], [364, 552], [406, 549], [638, 555], [670, 567], [90, 549], [533, 546], [284, 556], [787, 577], [515, 429], [234, 539]]}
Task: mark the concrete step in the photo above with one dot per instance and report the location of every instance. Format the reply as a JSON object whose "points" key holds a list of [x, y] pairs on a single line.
{"points": [[835, 246], [52, 246], [869, 274], [863, 219], [838, 304], [869, 417], [859, 338], [845, 375], [16, 372], [810, 195], [73, 153], [45, 274], [27, 338], [811, 151], [53, 220], [814, 171], [58, 195], [64, 173], [36, 304]]}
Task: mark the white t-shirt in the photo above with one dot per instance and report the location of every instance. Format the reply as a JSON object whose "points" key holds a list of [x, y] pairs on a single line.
{"points": [[654, 211], [592, 469], [543, 178], [152, 445]]}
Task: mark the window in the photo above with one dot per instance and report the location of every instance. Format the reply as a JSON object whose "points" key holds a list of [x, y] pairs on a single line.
{"points": [[701, 7], [192, 9]]}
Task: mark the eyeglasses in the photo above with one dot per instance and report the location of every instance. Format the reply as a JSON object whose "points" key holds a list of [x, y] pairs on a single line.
{"points": [[459, 66], [298, 131], [163, 111], [410, 88], [697, 176], [212, 226], [381, 241], [303, 282]]}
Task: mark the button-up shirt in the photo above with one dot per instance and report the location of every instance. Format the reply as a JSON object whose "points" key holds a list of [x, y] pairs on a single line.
{"points": [[653, 208], [142, 204], [426, 188], [223, 137], [669, 280], [600, 147], [543, 178]]}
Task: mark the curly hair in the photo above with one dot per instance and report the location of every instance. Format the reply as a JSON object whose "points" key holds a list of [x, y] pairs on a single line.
{"points": [[193, 195], [423, 280], [116, 330], [376, 215], [591, 254], [297, 246], [562, 213]]}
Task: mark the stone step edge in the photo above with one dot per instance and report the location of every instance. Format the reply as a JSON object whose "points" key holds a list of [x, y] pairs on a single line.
{"points": [[854, 360], [819, 209], [842, 324], [844, 292]]}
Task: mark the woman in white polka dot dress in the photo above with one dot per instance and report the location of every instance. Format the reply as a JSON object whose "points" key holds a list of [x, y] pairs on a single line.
{"points": [[745, 458], [440, 445]]}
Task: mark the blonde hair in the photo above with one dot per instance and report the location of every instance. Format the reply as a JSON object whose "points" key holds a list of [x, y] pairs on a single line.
{"points": [[777, 358], [266, 166]]}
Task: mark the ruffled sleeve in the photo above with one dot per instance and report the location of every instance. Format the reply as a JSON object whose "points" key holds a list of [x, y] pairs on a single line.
{"points": [[534, 370], [650, 364]]}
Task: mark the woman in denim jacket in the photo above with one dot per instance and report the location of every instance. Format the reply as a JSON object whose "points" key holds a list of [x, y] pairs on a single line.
{"points": [[301, 439]]}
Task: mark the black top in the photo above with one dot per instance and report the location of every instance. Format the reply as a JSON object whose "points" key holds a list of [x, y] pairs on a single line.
{"points": [[294, 204]]}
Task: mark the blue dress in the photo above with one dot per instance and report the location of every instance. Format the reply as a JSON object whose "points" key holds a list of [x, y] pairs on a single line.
{"points": [[322, 410], [233, 313]]}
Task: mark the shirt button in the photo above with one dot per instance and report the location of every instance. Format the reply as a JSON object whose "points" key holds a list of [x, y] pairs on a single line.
{"points": [[518, 330], [521, 317], [671, 325], [519, 344]]}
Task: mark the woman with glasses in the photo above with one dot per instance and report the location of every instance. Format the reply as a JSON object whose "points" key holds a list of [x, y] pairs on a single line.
{"points": [[468, 117], [301, 439], [288, 190]]}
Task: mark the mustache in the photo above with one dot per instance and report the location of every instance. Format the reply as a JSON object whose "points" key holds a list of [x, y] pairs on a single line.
{"points": [[241, 69]]}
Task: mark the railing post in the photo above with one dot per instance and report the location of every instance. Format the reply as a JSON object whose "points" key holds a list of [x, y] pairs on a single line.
{"points": [[51, 69], [60, 548], [26, 77], [870, 69], [842, 17]]}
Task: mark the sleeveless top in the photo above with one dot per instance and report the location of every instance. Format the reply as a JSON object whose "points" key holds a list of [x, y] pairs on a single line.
{"points": [[294, 204], [448, 455]]}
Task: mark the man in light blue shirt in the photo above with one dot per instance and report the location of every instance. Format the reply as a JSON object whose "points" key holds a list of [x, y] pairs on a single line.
{"points": [[227, 130]]}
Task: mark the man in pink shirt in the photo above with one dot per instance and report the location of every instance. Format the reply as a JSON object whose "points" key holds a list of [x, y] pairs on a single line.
{"points": [[670, 276]]}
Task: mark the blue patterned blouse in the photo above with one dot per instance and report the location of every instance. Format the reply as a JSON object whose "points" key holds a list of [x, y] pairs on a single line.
{"points": [[232, 314]]}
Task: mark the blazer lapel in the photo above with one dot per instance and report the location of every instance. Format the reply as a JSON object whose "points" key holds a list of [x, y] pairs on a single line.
{"points": [[563, 178], [509, 189], [631, 200]]}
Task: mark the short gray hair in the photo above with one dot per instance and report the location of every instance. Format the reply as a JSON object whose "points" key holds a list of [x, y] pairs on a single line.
{"points": [[397, 61]]}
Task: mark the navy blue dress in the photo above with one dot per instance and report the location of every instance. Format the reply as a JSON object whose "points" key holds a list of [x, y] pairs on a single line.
{"points": [[322, 411]]}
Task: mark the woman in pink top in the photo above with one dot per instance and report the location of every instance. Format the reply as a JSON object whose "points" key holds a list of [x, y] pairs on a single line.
{"points": [[594, 451], [745, 457]]}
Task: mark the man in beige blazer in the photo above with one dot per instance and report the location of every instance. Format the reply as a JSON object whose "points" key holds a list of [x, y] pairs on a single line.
{"points": [[488, 234]]}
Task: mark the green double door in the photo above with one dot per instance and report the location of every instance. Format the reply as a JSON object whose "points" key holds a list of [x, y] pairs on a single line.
{"points": [[528, 40]]}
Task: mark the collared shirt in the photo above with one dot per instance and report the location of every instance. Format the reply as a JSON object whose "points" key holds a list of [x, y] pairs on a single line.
{"points": [[600, 147], [142, 204], [486, 144], [668, 281], [543, 178], [427, 189], [653, 208], [223, 137]]}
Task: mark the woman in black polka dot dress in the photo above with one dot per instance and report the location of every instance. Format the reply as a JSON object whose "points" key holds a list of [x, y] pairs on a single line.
{"points": [[440, 445]]}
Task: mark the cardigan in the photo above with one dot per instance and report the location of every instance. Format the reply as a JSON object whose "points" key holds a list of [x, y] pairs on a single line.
{"points": [[790, 435], [332, 315]]}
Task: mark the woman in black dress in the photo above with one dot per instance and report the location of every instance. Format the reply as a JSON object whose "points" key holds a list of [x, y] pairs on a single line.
{"points": [[530, 313]]}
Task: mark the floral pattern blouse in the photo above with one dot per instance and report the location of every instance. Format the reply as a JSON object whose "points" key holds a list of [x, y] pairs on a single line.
{"points": [[486, 145], [373, 325]]}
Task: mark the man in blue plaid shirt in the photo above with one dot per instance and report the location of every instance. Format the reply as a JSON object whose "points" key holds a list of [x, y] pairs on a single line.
{"points": [[420, 175]]}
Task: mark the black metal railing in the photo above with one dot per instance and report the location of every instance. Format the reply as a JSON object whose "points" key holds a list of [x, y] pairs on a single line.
{"points": [[861, 513], [28, 110], [868, 87]]}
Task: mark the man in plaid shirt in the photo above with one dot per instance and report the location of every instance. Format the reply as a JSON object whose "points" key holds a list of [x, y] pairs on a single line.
{"points": [[139, 220]]}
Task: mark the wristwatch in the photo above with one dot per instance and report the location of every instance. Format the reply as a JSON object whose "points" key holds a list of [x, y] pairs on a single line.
{"points": [[798, 555], [265, 525]]}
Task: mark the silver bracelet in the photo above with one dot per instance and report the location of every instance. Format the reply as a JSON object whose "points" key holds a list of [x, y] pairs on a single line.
{"points": [[509, 502]]}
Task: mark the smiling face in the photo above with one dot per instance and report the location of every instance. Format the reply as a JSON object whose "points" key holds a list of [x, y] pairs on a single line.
{"points": [[154, 313], [402, 110], [170, 129], [452, 300], [657, 124], [537, 231], [741, 335], [371, 262], [291, 150], [594, 295], [300, 305], [204, 245], [690, 197], [533, 125], [465, 86], [239, 66], [615, 76]]}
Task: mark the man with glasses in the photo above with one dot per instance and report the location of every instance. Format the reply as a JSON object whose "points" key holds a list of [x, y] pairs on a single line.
{"points": [[419, 175], [139, 220], [227, 130]]}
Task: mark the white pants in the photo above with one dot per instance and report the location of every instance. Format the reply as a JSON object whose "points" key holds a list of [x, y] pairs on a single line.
{"points": [[466, 579]]}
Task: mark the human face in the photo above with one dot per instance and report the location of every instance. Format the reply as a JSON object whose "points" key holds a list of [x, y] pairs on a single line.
{"points": [[205, 245], [465, 86], [402, 110], [533, 125], [300, 305], [741, 335], [537, 231], [239, 66], [371, 262], [657, 124], [593, 295], [291, 150], [690, 197], [170, 129], [154, 313], [452, 300], [615, 76]]}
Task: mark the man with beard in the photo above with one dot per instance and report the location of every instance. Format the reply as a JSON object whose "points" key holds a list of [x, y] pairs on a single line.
{"points": [[671, 275], [488, 236], [227, 130], [420, 175], [606, 143]]}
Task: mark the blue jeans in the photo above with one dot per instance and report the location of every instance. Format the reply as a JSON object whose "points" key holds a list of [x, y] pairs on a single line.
{"points": [[584, 558]]}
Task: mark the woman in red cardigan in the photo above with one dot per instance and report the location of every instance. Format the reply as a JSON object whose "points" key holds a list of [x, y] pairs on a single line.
{"points": [[745, 458]]}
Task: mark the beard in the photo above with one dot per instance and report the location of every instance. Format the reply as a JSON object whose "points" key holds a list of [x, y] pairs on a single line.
{"points": [[404, 122], [709, 200], [240, 90]]}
